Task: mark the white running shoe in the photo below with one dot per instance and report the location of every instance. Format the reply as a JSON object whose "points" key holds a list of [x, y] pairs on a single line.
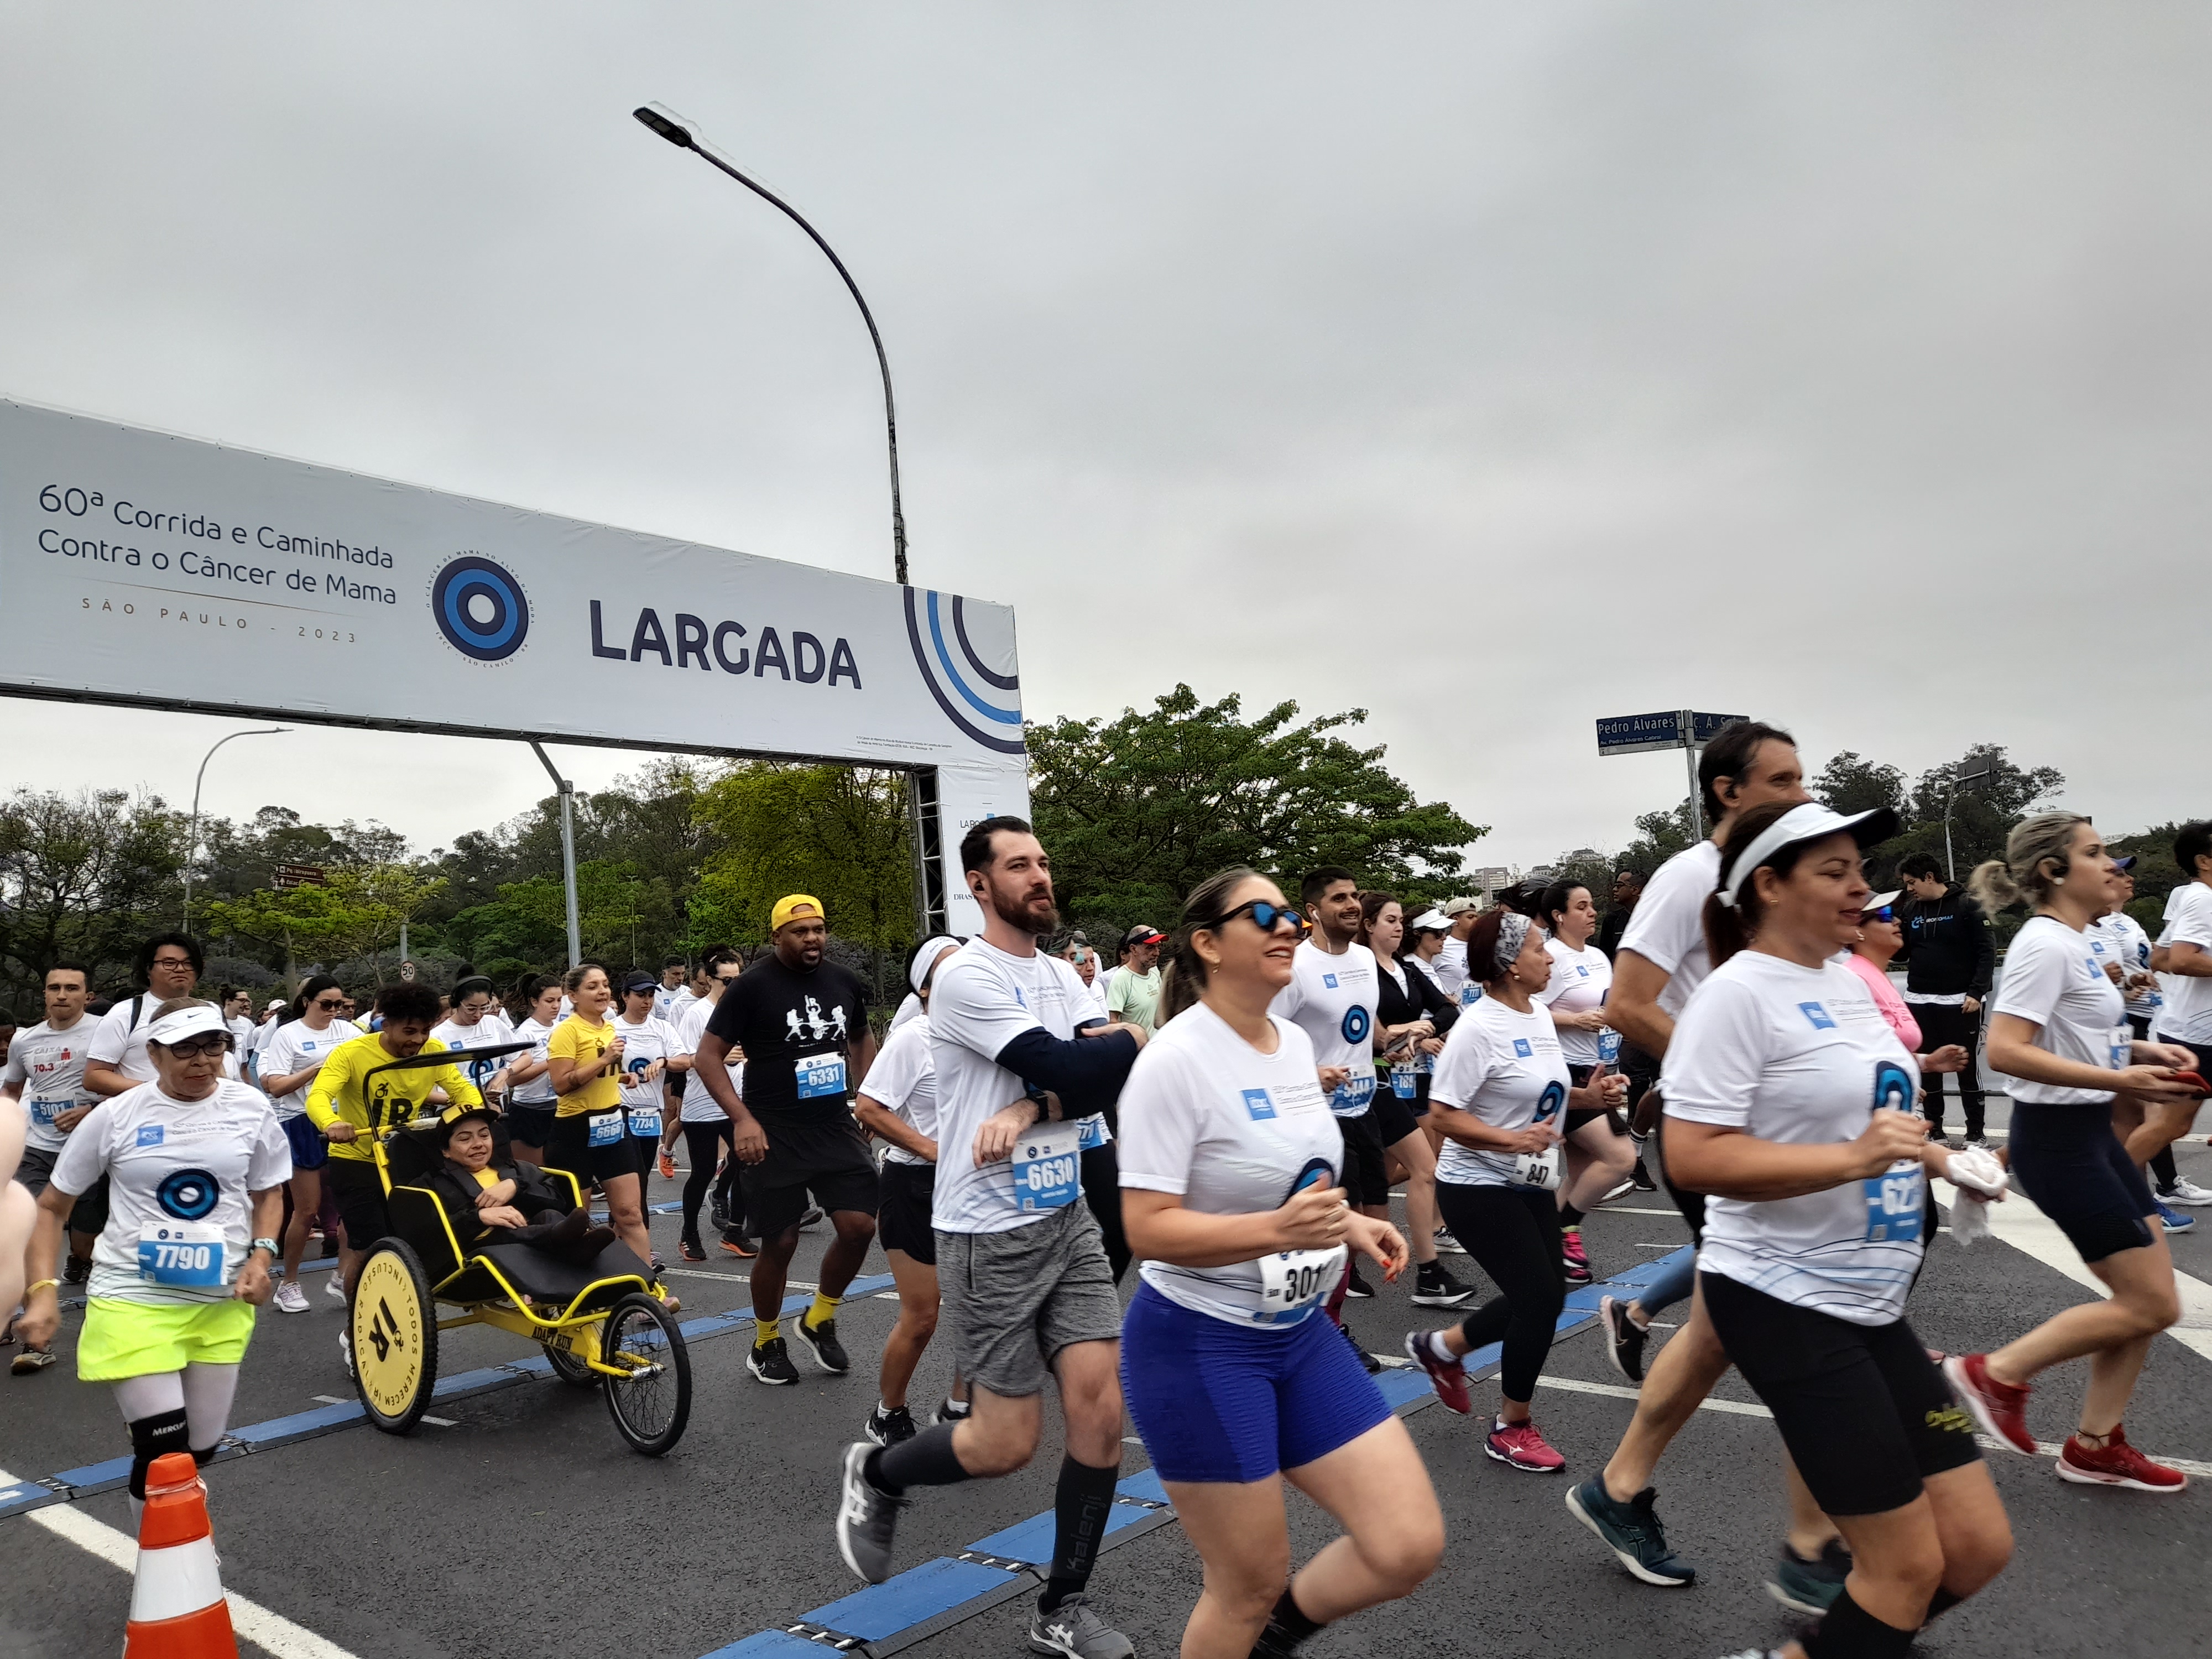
{"points": [[334, 1287], [290, 1298], [1446, 1241], [2187, 1192]]}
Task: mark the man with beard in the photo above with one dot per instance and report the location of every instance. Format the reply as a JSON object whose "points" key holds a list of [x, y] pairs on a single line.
{"points": [[1022, 1265], [802, 1025]]}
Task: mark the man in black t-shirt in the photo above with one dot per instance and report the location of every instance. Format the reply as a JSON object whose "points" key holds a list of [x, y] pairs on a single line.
{"points": [[802, 1024]]}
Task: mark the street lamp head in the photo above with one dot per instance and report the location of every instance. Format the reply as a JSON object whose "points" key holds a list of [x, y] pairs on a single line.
{"points": [[661, 119]]}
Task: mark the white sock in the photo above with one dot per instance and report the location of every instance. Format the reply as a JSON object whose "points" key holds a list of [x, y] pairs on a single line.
{"points": [[1437, 1347]]}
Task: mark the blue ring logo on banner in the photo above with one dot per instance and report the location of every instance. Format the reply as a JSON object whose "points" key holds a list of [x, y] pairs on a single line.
{"points": [[480, 609], [954, 683]]}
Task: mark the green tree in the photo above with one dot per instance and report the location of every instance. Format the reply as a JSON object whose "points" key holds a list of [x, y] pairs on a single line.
{"points": [[1659, 836], [356, 914], [1137, 811], [1850, 784], [83, 877], [839, 833]]}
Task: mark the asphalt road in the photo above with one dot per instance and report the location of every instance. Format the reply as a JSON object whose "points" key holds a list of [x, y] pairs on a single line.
{"points": [[525, 1526]]}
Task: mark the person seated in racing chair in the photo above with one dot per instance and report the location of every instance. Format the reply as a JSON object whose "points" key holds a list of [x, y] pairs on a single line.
{"points": [[509, 1204]]}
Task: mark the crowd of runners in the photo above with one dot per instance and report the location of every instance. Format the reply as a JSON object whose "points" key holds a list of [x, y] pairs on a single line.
{"points": [[1229, 1109]]}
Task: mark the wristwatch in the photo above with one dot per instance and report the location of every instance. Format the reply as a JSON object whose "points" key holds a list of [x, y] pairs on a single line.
{"points": [[268, 1244]]}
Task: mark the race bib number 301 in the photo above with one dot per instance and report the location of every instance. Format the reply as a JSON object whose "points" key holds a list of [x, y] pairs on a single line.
{"points": [[1292, 1281], [1048, 1166]]}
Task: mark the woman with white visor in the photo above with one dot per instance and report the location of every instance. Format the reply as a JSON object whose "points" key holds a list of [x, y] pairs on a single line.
{"points": [[196, 1165], [1789, 1102]]}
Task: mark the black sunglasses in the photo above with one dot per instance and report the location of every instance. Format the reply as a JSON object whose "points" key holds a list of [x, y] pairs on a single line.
{"points": [[1266, 916], [330, 1002], [211, 1044]]}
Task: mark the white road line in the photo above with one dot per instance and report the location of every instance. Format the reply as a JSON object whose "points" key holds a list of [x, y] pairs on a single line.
{"points": [[271, 1632], [441, 1422], [2018, 1223], [1737, 1409]]}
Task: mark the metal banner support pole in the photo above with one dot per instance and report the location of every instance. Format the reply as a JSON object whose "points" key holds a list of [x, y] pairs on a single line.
{"points": [[568, 791]]}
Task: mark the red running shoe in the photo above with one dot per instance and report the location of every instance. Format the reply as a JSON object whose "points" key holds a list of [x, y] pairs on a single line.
{"points": [[1450, 1381], [667, 1165], [1521, 1445], [1577, 1258], [2116, 1464], [1999, 1408]]}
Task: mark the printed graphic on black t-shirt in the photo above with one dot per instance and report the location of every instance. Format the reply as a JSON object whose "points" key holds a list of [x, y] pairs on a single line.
{"points": [[797, 1031]]}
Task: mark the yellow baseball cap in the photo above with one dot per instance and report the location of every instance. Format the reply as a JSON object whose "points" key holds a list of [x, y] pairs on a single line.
{"points": [[797, 907]]}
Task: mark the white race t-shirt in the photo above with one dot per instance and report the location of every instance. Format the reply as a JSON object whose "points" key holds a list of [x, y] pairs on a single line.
{"points": [[48, 1066], [910, 1009], [1506, 1069], [1667, 927], [699, 1106], [539, 1091], [2054, 979], [490, 1031], [2120, 938], [1580, 980], [1801, 1056], [295, 1047], [185, 1166], [981, 999], [642, 1044], [2187, 1016], [1332, 999], [1233, 1131], [903, 1080]]}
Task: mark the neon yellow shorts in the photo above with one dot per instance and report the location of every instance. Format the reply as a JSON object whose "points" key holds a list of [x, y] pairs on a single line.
{"points": [[143, 1339]]}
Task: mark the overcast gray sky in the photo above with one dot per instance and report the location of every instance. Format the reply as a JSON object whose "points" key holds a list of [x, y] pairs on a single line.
{"points": [[1493, 369]]}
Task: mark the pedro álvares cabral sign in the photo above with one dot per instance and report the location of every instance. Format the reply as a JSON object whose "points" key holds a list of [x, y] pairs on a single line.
{"points": [[141, 568]]}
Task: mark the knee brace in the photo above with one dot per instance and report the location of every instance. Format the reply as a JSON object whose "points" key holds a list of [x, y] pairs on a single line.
{"points": [[154, 1437]]}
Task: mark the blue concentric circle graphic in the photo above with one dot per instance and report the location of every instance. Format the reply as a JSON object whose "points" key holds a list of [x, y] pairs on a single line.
{"points": [[990, 719], [187, 1194], [480, 609]]}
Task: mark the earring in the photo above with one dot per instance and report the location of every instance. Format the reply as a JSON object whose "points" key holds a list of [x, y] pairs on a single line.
{"points": [[2058, 881]]}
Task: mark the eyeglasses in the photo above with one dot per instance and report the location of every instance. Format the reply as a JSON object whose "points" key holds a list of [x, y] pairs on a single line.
{"points": [[207, 1045], [173, 962], [1886, 914], [1266, 917], [330, 1002]]}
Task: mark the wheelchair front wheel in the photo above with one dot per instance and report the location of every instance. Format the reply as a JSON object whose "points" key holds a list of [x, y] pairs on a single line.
{"points": [[652, 1403], [394, 1328]]}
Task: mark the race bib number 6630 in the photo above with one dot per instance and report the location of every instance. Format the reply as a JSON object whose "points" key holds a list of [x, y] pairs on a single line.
{"points": [[1048, 1166]]}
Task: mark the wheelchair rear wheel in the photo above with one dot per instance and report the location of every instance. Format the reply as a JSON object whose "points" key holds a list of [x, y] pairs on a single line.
{"points": [[651, 1405], [394, 1328]]}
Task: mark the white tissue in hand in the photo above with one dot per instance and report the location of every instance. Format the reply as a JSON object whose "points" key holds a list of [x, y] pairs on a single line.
{"points": [[1979, 1172], [1970, 1217]]}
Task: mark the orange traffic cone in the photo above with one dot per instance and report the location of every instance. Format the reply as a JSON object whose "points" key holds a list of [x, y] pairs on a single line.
{"points": [[177, 1609]]}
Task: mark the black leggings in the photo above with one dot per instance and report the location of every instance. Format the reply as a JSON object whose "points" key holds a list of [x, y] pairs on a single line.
{"points": [[1101, 1191], [1513, 1234], [702, 1142]]}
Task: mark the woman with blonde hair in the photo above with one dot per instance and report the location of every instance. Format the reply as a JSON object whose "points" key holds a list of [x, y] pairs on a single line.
{"points": [[2059, 1030]]}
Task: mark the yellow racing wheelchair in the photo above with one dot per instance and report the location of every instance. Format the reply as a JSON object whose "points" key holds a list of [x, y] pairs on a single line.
{"points": [[602, 1326]]}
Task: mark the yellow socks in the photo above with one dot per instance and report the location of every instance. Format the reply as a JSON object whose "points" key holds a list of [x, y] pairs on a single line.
{"points": [[823, 1311], [766, 1331]]}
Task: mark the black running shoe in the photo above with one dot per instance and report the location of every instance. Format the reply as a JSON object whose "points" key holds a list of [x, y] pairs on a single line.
{"points": [[77, 1270], [1642, 1177], [952, 1411], [888, 1428], [690, 1249], [1358, 1286], [771, 1364], [867, 1517], [1433, 1287], [1624, 1339], [828, 1351], [812, 1216], [717, 1215]]}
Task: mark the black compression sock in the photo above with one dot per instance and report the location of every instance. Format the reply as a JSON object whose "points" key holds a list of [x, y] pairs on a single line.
{"points": [[1943, 1603], [1848, 1630], [1286, 1627], [1080, 1506], [1570, 1216], [925, 1459]]}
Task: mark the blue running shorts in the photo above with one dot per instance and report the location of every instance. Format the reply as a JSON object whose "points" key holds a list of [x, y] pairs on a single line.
{"points": [[1221, 1402]]}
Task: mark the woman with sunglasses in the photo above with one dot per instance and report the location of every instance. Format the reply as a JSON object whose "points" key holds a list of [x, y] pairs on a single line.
{"points": [[2059, 1030], [1599, 1153], [195, 1165], [1789, 1102], [1230, 1182], [1500, 1097], [289, 1060], [1409, 1012], [1881, 935]]}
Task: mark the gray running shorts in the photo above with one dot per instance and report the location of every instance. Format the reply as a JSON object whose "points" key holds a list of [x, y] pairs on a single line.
{"points": [[1014, 1299]]}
